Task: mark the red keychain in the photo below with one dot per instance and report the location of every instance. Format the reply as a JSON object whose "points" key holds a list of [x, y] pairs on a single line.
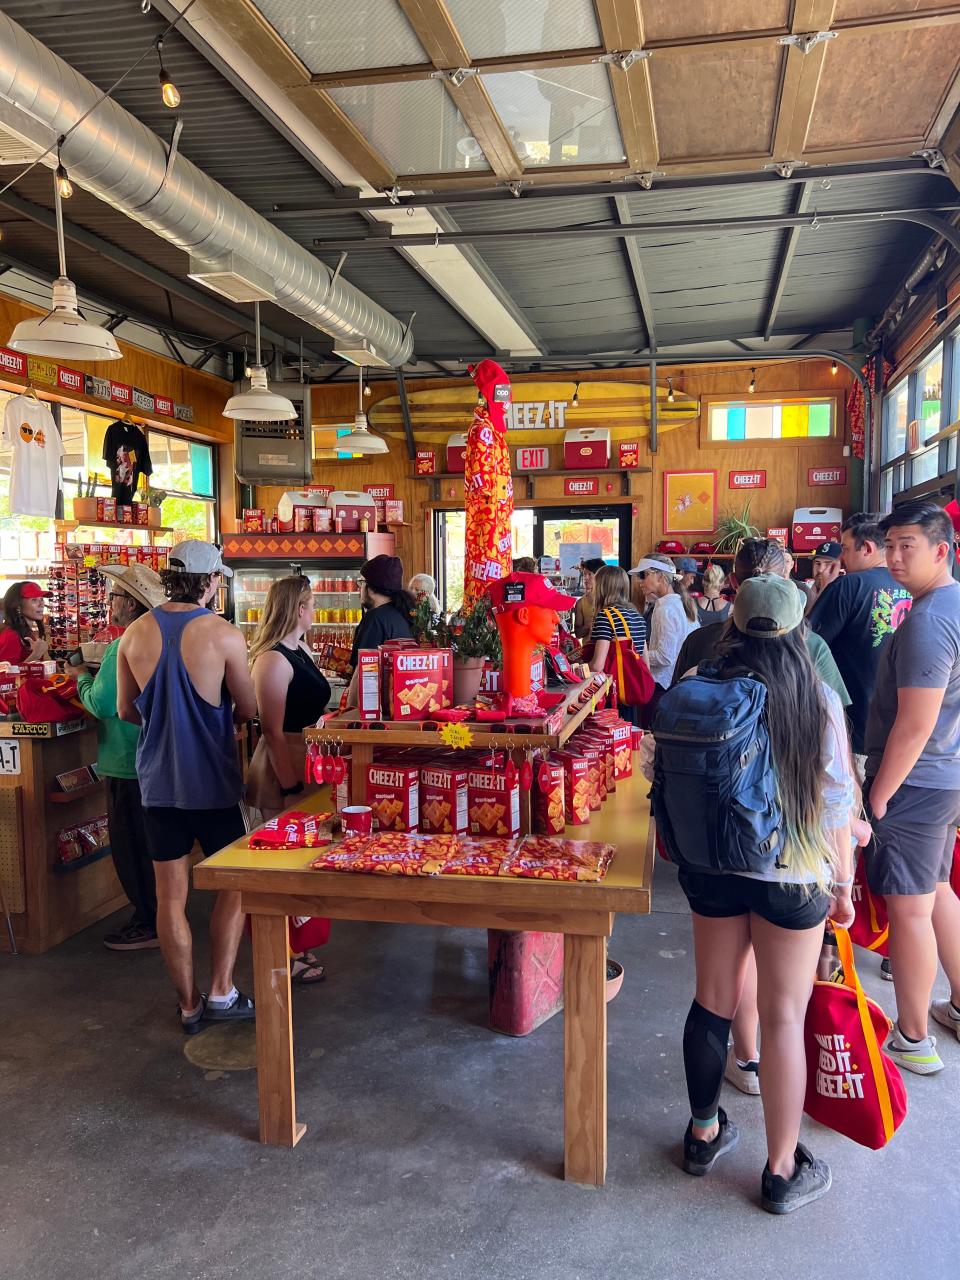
{"points": [[308, 763], [511, 772], [526, 774]]}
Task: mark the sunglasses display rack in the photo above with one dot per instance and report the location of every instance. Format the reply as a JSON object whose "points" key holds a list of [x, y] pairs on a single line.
{"points": [[78, 608]]}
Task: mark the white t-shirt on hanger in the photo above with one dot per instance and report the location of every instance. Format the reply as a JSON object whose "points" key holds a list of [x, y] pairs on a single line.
{"points": [[30, 431]]}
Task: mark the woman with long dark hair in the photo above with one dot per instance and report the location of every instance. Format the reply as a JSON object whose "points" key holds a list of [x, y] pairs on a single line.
{"points": [[780, 912], [22, 636]]}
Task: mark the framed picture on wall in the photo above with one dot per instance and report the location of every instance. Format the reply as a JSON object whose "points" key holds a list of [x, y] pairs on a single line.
{"points": [[689, 501]]}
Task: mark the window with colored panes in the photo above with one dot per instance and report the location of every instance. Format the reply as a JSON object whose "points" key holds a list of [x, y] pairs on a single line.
{"points": [[737, 420]]}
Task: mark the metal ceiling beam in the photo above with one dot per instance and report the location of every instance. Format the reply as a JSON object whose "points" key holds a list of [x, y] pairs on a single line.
{"points": [[621, 27], [791, 240], [618, 231], [435, 30], [350, 202], [145, 271], [639, 279]]}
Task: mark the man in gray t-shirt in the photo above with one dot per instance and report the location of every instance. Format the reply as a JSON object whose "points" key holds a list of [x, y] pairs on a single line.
{"points": [[913, 780]]}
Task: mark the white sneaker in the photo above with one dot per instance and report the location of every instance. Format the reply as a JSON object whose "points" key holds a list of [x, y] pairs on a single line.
{"points": [[921, 1058], [942, 1011], [746, 1079]]}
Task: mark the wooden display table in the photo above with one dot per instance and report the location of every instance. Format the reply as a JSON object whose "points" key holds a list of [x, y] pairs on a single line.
{"points": [[517, 733], [276, 885], [49, 902]]}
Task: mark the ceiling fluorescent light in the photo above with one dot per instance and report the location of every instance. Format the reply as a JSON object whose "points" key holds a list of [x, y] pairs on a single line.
{"points": [[233, 278], [362, 353]]}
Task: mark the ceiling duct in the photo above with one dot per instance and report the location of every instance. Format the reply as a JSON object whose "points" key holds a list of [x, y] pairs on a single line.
{"points": [[119, 160], [233, 278]]}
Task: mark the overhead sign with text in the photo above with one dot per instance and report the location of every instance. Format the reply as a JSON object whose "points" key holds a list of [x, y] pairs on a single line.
{"points": [[747, 480]]}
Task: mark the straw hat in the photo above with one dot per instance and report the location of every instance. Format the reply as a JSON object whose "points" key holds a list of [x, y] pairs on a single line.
{"points": [[137, 581]]}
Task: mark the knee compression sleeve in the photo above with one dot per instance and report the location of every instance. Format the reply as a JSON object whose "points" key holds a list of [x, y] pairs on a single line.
{"points": [[705, 1038]]}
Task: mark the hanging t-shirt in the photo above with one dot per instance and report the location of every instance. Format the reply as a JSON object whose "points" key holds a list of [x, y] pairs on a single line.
{"points": [[126, 453], [855, 615], [30, 431]]}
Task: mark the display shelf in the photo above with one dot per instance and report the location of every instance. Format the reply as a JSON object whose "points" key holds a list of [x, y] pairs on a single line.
{"points": [[550, 471], [65, 868], [112, 524], [67, 797]]}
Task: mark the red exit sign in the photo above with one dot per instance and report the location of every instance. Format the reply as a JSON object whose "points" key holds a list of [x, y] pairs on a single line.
{"points": [[819, 476], [533, 459], [747, 480], [586, 487]]}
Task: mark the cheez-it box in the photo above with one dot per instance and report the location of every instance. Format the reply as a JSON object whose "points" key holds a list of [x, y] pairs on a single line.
{"points": [[576, 786], [443, 799], [368, 684], [420, 682], [549, 816], [493, 805], [393, 793]]}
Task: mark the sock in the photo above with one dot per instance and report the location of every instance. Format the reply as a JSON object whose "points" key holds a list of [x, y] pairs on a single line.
{"points": [[704, 1058], [190, 1015], [223, 1002], [750, 1062], [909, 1039]]}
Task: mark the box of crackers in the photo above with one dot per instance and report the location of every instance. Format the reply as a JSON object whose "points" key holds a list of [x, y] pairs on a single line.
{"points": [[493, 805], [604, 740], [368, 684], [576, 786], [549, 809], [393, 793], [443, 798], [418, 682], [620, 731]]}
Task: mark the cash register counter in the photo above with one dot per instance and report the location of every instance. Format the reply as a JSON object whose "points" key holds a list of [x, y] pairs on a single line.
{"points": [[44, 901]]}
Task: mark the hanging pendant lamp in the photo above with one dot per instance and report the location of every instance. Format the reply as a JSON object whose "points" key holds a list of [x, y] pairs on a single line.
{"points": [[63, 333], [259, 403], [361, 439]]}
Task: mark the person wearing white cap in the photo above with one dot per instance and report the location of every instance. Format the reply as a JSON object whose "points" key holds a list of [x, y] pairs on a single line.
{"points": [[674, 616], [134, 591], [182, 675]]}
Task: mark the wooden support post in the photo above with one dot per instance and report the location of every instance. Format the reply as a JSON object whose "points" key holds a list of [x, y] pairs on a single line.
{"points": [[275, 1083], [584, 1059], [360, 758]]}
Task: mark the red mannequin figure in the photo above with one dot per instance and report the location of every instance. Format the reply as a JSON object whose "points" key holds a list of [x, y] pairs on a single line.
{"points": [[526, 607]]}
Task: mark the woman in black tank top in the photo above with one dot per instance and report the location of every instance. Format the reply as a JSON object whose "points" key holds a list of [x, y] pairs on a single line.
{"points": [[291, 694]]}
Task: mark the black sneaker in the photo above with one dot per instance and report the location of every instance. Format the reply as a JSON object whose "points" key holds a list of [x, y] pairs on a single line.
{"points": [[811, 1180], [699, 1157], [132, 937], [886, 969]]}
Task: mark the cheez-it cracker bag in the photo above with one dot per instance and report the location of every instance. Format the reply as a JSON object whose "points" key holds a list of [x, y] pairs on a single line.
{"points": [[493, 805], [393, 793], [443, 798], [420, 682]]}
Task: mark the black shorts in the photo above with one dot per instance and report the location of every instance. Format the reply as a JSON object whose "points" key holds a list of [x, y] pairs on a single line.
{"points": [[172, 833], [912, 847], [720, 897]]}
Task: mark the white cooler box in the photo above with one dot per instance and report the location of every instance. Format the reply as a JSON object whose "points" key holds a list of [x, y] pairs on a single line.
{"points": [[457, 454], [352, 507], [586, 448], [813, 525], [297, 498]]}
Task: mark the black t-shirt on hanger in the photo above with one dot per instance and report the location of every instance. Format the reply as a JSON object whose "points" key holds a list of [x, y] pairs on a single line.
{"points": [[126, 454]]}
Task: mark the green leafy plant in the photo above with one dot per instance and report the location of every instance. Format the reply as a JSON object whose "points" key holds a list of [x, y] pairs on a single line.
{"points": [[425, 624], [733, 527], [475, 634]]}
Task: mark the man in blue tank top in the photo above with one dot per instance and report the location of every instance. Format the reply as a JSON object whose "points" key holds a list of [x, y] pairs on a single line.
{"points": [[182, 675]]}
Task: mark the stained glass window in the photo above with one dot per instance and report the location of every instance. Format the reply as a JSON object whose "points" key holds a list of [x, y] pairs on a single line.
{"points": [[736, 420]]}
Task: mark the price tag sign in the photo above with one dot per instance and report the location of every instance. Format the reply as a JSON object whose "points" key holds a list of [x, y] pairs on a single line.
{"points": [[9, 757]]}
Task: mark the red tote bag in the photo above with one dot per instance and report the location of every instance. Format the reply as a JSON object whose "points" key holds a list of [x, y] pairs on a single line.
{"points": [[631, 675], [870, 928], [852, 1086], [955, 869]]}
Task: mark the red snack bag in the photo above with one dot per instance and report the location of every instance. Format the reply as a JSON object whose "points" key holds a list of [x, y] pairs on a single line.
{"points": [[548, 858]]}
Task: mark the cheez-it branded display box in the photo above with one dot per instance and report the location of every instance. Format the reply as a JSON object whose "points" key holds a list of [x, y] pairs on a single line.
{"points": [[419, 682], [493, 804], [443, 799], [586, 448], [393, 793], [457, 454]]}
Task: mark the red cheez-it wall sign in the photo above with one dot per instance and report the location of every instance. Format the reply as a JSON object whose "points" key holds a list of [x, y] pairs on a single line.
{"points": [[747, 480], [581, 487], [821, 476]]}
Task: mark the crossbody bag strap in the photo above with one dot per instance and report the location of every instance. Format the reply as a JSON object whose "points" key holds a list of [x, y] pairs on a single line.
{"points": [[621, 685]]}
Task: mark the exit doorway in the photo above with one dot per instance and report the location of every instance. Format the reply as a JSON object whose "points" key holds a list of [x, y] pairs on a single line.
{"points": [[537, 532]]}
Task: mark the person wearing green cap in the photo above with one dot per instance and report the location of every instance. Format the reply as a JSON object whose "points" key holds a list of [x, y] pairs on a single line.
{"points": [[803, 873]]}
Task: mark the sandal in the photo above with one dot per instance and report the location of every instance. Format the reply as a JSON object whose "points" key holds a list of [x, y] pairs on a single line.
{"points": [[307, 974], [241, 1010]]}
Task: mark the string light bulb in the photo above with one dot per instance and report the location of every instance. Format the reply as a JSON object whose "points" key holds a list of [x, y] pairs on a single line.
{"points": [[575, 402], [367, 389], [670, 395], [168, 90], [64, 185], [753, 381], [833, 367]]}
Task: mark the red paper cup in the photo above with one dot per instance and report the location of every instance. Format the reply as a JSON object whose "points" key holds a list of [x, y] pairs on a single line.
{"points": [[357, 819], [636, 736]]}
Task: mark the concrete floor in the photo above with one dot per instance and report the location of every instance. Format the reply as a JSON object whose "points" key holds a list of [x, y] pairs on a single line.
{"points": [[433, 1146]]}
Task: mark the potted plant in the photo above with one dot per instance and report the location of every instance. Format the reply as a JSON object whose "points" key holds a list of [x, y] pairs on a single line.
{"points": [[733, 527], [475, 640], [154, 499]]}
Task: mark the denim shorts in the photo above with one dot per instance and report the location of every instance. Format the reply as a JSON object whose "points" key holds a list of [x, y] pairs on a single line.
{"points": [[721, 896]]}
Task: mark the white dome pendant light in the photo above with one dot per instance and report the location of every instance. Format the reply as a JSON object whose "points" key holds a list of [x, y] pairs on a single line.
{"points": [[361, 439], [63, 333], [259, 403]]}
